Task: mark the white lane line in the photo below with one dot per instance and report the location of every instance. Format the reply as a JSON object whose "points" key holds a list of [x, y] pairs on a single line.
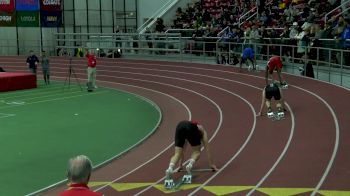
{"points": [[252, 108], [216, 70], [291, 134], [246, 75], [120, 154], [215, 133], [33, 98], [144, 138], [4, 115], [336, 145], [55, 99], [157, 155], [32, 92]]}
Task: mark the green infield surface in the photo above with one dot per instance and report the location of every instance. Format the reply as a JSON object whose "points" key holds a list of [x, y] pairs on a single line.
{"points": [[40, 129]]}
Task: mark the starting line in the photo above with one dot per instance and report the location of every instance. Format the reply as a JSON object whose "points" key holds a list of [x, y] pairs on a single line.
{"points": [[197, 170], [222, 190]]}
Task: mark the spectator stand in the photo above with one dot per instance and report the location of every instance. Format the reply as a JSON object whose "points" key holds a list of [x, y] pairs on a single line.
{"points": [[335, 12], [247, 16]]}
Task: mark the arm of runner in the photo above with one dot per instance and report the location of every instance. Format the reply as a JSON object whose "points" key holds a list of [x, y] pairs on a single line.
{"points": [[182, 156], [267, 75], [282, 99], [207, 148], [262, 103], [279, 71]]}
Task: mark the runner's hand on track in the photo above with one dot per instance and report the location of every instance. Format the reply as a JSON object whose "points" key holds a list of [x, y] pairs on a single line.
{"points": [[214, 168]]}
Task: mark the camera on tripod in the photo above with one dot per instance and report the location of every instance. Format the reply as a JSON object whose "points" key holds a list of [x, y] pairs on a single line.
{"points": [[71, 72]]}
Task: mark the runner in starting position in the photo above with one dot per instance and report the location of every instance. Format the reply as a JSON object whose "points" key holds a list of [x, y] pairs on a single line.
{"points": [[196, 136], [272, 90]]}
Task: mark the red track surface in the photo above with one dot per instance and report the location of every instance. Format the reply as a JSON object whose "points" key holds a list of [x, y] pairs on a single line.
{"points": [[309, 149]]}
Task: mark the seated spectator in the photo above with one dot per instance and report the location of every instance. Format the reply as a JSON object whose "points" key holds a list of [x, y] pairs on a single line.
{"points": [[78, 52], [78, 174], [114, 53]]}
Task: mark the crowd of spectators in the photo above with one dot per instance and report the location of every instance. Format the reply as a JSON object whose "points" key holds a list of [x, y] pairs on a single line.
{"points": [[298, 22]]}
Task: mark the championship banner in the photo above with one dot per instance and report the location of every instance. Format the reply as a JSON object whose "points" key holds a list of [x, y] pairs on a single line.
{"points": [[50, 5], [27, 5], [27, 19], [51, 19], [7, 19], [7, 5]]}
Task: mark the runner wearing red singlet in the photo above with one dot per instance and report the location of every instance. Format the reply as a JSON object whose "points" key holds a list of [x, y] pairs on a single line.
{"points": [[274, 63]]}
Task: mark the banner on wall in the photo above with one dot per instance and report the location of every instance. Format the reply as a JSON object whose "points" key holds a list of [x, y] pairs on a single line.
{"points": [[50, 5], [51, 19], [27, 5], [7, 5], [27, 19], [7, 19]]}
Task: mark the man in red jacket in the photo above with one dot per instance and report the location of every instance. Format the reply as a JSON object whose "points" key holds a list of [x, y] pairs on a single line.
{"points": [[91, 69], [78, 174]]}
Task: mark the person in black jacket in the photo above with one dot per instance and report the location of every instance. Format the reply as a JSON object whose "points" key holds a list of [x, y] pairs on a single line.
{"points": [[32, 62]]}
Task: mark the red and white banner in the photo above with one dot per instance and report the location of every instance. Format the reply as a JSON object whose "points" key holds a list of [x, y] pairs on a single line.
{"points": [[7, 5], [50, 5]]}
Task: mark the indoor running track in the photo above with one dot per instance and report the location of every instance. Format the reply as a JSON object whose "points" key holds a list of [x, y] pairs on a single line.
{"points": [[306, 153]]}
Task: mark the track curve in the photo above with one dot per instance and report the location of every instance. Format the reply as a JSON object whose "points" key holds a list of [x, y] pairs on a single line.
{"points": [[315, 160]]}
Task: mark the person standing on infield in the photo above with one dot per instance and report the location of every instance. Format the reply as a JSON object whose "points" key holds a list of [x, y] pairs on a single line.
{"points": [[32, 62], [45, 67], [91, 69]]}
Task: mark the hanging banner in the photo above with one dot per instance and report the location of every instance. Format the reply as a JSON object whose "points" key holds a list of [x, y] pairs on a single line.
{"points": [[7, 5], [27, 5], [50, 5], [7, 19], [27, 19], [51, 19]]}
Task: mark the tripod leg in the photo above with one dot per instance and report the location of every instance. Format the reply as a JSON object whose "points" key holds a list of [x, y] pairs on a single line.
{"points": [[77, 79], [65, 82], [70, 73]]}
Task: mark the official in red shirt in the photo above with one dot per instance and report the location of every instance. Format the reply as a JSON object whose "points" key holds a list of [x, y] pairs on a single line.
{"points": [[78, 174], [91, 69]]}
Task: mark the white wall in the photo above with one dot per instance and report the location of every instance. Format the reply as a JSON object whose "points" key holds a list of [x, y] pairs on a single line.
{"points": [[8, 41], [146, 8]]}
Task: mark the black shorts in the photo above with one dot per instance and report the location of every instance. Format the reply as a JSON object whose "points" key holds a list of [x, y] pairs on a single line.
{"points": [[272, 92], [186, 130]]}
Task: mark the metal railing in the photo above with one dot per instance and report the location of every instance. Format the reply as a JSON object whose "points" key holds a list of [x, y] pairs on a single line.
{"points": [[343, 11], [224, 31], [157, 15], [153, 17], [333, 10], [246, 14], [329, 61], [328, 58]]}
